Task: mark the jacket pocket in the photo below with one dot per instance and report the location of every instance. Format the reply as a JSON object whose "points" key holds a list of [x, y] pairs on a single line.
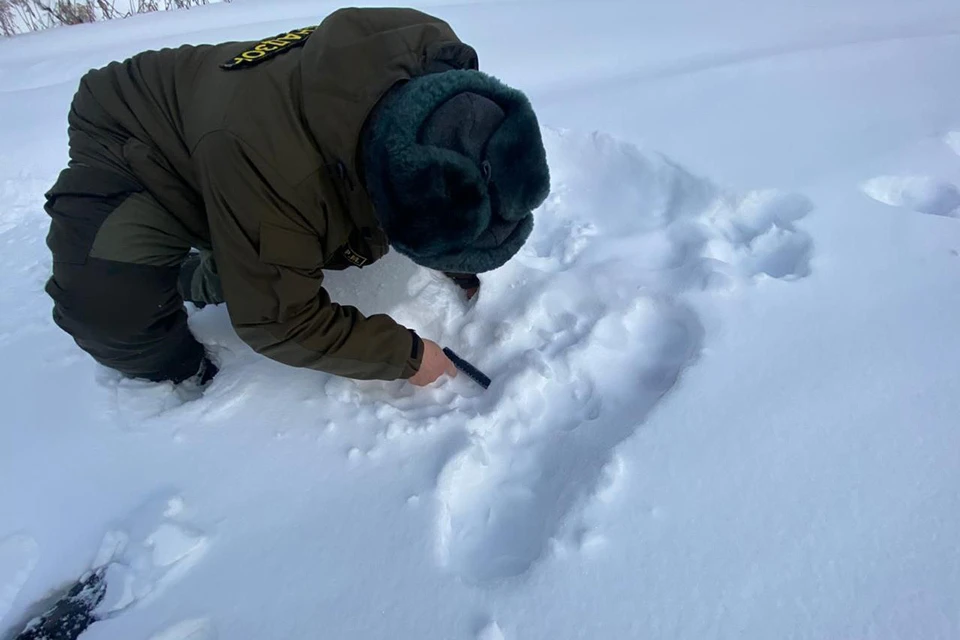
{"points": [[292, 249]]}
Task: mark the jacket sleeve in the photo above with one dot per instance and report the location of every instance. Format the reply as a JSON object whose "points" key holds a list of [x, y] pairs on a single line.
{"points": [[271, 270]]}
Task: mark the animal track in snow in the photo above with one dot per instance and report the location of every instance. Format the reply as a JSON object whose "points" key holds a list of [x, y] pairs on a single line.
{"points": [[924, 194], [755, 234], [920, 193], [579, 363]]}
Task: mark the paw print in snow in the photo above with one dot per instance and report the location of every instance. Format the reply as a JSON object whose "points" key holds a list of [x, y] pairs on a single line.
{"points": [[924, 194], [920, 193]]}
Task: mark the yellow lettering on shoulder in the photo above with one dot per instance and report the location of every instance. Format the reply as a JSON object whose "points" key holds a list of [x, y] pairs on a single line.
{"points": [[269, 47]]}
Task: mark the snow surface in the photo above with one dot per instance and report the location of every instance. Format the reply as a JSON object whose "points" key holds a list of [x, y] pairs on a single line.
{"points": [[726, 393]]}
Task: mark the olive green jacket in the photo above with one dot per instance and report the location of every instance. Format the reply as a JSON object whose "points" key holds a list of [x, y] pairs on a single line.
{"points": [[253, 147]]}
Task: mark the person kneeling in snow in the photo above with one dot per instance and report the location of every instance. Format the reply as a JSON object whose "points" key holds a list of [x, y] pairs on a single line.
{"points": [[316, 149]]}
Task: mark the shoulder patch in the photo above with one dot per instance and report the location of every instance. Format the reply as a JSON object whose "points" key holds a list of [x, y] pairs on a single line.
{"points": [[266, 49]]}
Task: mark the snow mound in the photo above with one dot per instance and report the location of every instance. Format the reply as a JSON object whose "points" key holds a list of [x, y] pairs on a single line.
{"points": [[583, 333], [149, 551]]}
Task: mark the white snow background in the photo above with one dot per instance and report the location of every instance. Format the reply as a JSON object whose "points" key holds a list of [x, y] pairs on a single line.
{"points": [[726, 398]]}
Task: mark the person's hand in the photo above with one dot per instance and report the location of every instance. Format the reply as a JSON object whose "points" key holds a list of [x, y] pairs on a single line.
{"points": [[435, 364]]}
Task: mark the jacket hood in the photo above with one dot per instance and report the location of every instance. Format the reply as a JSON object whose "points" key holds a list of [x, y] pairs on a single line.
{"points": [[350, 62]]}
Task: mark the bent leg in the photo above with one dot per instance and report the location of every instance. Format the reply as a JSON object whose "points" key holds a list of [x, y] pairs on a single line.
{"points": [[114, 285], [129, 317]]}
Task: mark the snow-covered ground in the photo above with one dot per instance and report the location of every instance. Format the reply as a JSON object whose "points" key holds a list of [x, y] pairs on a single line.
{"points": [[726, 398]]}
